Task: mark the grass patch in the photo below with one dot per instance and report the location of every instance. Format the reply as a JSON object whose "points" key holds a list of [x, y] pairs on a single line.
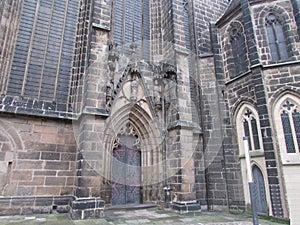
{"points": [[274, 219], [270, 219]]}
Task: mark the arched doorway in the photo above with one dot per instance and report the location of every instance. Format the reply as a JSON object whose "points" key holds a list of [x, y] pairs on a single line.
{"points": [[126, 169], [261, 200]]}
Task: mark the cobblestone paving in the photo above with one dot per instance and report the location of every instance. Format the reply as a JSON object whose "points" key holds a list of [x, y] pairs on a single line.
{"points": [[136, 217]]}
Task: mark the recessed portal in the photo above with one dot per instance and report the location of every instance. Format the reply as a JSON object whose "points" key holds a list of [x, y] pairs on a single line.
{"points": [[126, 170]]}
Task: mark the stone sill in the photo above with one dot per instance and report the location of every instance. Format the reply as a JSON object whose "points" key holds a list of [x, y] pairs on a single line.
{"points": [[290, 159], [253, 154]]}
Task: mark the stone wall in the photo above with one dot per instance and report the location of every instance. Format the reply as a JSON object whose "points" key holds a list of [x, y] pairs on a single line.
{"points": [[221, 165], [37, 159], [289, 24], [206, 11], [264, 79]]}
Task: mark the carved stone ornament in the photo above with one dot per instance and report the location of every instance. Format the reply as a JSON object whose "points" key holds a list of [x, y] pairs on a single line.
{"points": [[134, 88], [127, 130]]}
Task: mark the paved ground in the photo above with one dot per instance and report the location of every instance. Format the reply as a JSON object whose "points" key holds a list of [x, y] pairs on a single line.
{"points": [[135, 217]]}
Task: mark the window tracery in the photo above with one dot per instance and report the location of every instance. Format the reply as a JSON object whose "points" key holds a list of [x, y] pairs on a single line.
{"points": [[290, 121], [251, 129]]}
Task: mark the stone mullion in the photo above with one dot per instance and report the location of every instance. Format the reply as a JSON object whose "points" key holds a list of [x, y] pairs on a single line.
{"points": [[30, 47], [293, 126], [60, 51], [8, 41], [251, 133], [45, 55]]}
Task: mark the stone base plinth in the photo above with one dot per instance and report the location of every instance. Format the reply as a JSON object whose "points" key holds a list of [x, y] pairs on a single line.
{"points": [[85, 208], [29, 205], [186, 207]]}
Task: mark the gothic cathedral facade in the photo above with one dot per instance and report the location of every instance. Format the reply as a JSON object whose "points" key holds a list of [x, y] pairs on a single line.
{"points": [[108, 103]]}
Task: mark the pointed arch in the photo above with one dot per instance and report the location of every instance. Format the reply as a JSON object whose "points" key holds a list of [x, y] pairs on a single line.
{"points": [[246, 113], [146, 127], [147, 130], [276, 37], [275, 26], [8, 131], [11, 143], [286, 127], [238, 48], [247, 124], [286, 114], [136, 116], [260, 187], [234, 44]]}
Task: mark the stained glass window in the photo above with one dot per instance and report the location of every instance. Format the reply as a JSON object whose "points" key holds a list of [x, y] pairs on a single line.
{"points": [[251, 129], [296, 120], [276, 38], [255, 133], [239, 51], [132, 23], [42, 61], [290, 120]]}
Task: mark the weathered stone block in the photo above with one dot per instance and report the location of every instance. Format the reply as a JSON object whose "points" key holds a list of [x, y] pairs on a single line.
{"points": [[50, 156], [45, 129], [62, 200], [43, 201], [186, 207], [21, 175], [27, 211], [68, 157], [29, 164], [10, 211], [34, 182], [48, 138], [63, 209], [25, 191], [67, 191], [55, 181], [46, 191], [28, 155], [87, 208], [57, 165], [44, 173], [41, 210]]}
